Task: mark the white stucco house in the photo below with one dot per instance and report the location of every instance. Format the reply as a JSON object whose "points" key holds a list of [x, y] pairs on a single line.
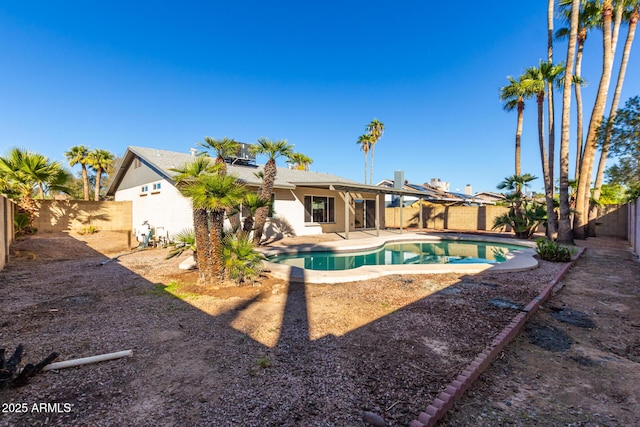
{"points": [[304, 203]]}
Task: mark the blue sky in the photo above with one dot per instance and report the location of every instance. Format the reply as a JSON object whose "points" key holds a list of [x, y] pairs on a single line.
{"points": [[165, 74]]}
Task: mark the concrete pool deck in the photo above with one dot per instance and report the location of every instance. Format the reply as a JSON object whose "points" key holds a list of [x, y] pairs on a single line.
{"points": [[519, 260]]}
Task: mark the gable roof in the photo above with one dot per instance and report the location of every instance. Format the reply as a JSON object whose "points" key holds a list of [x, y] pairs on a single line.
{"points": [[162, 161]]}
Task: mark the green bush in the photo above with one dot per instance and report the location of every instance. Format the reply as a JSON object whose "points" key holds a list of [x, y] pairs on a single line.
{"points": [[183, 241], [552, 251], [22, 223], [241, 261]]}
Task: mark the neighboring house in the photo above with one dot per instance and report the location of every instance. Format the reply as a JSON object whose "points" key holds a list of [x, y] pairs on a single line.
{"points": [[304, 203], [431, 195], [490, 196]]}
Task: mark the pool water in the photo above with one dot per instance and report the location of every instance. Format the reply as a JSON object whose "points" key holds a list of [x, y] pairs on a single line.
{"points": [[441, 252]]}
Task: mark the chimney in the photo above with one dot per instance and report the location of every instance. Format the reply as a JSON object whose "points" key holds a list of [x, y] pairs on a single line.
{"points": [[467, 190], [398, 179]]}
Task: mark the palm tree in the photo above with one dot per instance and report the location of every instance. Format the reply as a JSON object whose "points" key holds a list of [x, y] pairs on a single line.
{"points": [[215, 193], [513, 95], [99, 160], [365, 142], [300, 161], [273, 150], [224, 148], [78, 155], [186, 180], [252, 202], [564, 223], [514, 184], [581, 215], [588, 19], [633, 22], [37, 169], [375, 129]]}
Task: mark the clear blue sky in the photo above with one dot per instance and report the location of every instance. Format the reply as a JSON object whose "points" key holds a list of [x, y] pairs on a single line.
{"points": [[164, 74]]}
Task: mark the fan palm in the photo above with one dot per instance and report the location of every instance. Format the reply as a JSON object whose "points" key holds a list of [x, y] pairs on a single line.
{"points": [[513, 95], [99, 160], [273, 150], [365, 143], [224, 148], [78, 155], [375, 129], [186, 179], [252, 202], [215, 193], [300, 161]]}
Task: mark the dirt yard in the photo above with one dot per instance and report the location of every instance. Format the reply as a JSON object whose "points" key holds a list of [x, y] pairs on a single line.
{"points": [[309, 355]]}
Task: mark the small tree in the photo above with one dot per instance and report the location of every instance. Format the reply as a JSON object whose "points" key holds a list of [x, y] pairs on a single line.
{"points": [[524, 215]]}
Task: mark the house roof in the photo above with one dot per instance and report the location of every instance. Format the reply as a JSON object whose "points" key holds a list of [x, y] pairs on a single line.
{"points": [[162, 161]]}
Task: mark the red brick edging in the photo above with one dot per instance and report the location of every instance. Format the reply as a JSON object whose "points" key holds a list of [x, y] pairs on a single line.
{"points": [[465, 379]]}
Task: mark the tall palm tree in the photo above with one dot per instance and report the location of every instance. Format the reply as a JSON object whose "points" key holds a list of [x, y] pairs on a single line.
{"points": [[273, 150], [513, 95], [581, 215], [537, 78], [375, 129], [364, 141], [186, 180], [99, 160], [632, 18], [588, 19], [215, 193], [78, 155], [564, 223], [300, 161]]}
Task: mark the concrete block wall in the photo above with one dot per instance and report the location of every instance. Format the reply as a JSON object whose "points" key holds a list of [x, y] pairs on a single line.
{"points": [[7, 231], [633, 226], [612, 221], [62, 215]]}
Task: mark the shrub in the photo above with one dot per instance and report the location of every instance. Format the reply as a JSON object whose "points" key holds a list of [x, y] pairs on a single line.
{"points": [[22, 223], [241, 261], [183, 241], [552, 251]]}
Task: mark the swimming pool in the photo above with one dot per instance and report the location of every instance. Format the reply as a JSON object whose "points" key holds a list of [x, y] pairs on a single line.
{"points": [[404, 253]]}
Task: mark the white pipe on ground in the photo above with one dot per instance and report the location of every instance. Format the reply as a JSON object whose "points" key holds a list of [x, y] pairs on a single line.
{"points": [[86, 360]]}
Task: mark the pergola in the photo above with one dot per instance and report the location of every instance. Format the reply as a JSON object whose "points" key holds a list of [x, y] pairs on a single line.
{"points": [[348, 188]]}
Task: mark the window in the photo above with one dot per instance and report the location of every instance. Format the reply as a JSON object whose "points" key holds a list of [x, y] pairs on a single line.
{"points": [[319, 209], [156, 186], [144, 188]]}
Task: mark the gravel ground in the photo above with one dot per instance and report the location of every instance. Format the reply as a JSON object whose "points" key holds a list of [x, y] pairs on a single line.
{"points": [[272, 354]]}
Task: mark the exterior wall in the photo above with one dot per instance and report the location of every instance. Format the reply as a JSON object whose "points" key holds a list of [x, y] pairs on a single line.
{"points": [[164, 209], [446, 217], [612, 221], [7, 231], [61, 215], [633, 226], [289, 212]]}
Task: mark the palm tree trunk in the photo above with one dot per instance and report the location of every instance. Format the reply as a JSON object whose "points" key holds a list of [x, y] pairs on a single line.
{"points": [[519, 136], [96, 195], [564, 224], [203, 245], [548, 185], [579, 110], [365, 166], [262, 213], [248, 225], [550, 6], [581, 216], [552, 220], [41, 190], [85, 181], [373, 147], [633, 22], [216, 235]]}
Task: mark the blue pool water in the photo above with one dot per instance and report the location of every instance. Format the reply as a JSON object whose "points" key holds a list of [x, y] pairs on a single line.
{"points": [[441, 252]]}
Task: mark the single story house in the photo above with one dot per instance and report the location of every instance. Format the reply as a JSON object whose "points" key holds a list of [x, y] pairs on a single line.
{"points": [[304, 202]]}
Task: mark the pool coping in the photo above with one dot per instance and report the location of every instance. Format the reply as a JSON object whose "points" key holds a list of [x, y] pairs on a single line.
{"points": [[519, 260]]}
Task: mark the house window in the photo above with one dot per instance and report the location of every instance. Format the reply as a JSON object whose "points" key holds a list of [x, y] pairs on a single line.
{"points": [[319, 209], [144, 188], [156, 186]]}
